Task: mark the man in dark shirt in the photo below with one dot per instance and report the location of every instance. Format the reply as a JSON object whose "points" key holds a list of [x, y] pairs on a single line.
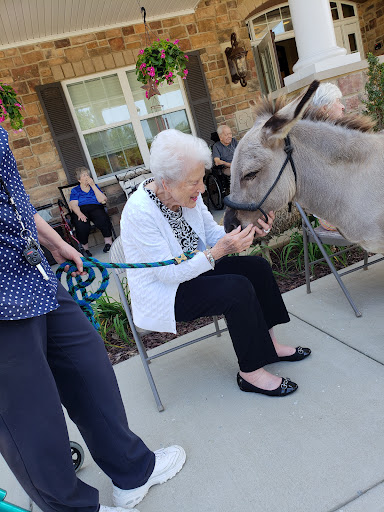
{"points": [[222, 151]]}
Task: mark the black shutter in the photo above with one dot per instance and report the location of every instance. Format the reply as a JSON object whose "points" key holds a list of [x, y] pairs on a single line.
{"points": [[199, 99], [63, 129]]}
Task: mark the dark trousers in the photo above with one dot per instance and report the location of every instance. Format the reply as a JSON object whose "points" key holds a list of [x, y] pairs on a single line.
{"points": [[95, 213], [55, 359], [244, 290]]}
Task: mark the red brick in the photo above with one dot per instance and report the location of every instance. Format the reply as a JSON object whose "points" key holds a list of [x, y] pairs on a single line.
{"points": [[116, 44], [20, 143], [32, 57], [61, 43], [46, 179], [114, 32], [128, 30], [25, 72]]}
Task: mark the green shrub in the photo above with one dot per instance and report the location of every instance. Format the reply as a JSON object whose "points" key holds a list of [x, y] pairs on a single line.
{"points": [[374, 88]]}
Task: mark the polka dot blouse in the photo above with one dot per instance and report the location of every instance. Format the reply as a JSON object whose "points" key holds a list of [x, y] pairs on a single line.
{"points": [[23, 291]]}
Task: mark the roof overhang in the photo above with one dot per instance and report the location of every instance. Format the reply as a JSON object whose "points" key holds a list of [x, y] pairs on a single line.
{"points": [[30, 21]]}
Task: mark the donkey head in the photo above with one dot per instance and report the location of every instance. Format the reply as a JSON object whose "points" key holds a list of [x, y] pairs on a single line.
{"points": [[257, 161]]}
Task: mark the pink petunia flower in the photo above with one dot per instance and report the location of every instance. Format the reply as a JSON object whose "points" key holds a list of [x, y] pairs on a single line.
{"points": [[185, 72], [176, 41], [186, 56], [141, 52]]}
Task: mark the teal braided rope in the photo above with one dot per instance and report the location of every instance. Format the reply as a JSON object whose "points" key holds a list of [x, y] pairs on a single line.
{"points": [[77, 284]]}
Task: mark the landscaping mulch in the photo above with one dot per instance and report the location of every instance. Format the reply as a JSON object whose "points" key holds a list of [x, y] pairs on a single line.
{"points": [[119, 351]]}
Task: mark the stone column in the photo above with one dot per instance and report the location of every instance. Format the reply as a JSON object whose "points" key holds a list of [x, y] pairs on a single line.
{"points": [[315, 39]]}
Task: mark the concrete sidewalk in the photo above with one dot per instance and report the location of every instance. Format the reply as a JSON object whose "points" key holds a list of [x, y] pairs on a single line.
{"points": [[318, 450]]}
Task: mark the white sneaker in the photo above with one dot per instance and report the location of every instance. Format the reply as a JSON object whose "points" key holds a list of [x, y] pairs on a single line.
{"points": [[103, 508], [168, 462]]}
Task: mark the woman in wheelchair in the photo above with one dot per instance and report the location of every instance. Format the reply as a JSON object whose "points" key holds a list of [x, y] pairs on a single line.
{"points": [[87, 204], [167, 216]]}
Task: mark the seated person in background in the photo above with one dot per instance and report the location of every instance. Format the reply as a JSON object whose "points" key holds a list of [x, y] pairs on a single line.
{"points": [[167, 216], [222, 151], [87, 203], [327, 100]]}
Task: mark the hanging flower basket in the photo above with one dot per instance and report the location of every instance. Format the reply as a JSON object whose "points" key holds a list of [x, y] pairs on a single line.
{"points": [[10, 107], [161, 62]]}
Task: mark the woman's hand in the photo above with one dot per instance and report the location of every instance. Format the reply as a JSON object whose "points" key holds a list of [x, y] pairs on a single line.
{"points": [[82, 217], [90, 182], [237, 240], [265, 228], [64, 252]]}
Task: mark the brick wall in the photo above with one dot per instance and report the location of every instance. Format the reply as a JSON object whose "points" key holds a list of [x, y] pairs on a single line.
{"points": [[207, 30], [371, 15]]}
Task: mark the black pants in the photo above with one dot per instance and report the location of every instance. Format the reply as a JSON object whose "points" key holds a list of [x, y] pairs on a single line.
{"points": [[95, 213], [55, 359], [244, 290]]}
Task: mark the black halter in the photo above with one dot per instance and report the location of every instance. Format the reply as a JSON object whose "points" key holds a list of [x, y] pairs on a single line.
{"points": [[252, 207]]}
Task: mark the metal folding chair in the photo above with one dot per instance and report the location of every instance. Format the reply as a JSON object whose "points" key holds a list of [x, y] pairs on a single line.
{"points": [[322, 236], [116, 255]]}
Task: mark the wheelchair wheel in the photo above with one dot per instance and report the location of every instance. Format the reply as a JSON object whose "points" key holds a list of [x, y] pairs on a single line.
{"points": [[77, 455], [214, 192]]}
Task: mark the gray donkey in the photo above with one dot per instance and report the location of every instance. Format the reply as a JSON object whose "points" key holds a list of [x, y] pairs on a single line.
{"points": [[339, 167]]}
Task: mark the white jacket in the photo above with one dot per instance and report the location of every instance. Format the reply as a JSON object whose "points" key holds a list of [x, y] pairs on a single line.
{"points": [[147, 237]]}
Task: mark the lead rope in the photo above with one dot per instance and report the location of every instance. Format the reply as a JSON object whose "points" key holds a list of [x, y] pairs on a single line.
{"points": [[77, 284]]}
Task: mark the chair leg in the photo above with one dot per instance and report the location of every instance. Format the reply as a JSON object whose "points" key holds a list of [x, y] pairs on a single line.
{"points": [[365, 260], [328, 260], [216, 322], [306, 258], [139, 344]]}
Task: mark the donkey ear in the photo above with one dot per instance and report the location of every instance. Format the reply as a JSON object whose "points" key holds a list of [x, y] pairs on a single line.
{"points": [[279, 125]]}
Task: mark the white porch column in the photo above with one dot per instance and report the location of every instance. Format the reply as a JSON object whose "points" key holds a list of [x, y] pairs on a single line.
{"points": [[315, 39]]}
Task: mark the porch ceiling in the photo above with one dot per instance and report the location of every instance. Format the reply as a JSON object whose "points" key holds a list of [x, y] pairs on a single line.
{"points": [[29, 21]]}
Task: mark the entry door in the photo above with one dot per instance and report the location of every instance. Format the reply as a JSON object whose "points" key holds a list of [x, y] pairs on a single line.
{"points": [[267, 64]]}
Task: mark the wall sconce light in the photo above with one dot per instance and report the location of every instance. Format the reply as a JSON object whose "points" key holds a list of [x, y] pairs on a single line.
{"points": [[237, 61]]}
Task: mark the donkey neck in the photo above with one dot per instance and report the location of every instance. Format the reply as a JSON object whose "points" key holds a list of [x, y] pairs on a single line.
{"points": [[331, 162]]}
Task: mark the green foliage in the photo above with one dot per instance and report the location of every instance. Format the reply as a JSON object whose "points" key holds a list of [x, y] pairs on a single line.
{"points": [[112, 319], [375, 92], [161, 61], [10, 107]]}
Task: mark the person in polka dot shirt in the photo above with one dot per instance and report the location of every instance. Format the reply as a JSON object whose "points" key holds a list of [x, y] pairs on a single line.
{"points": [[52, 356]]}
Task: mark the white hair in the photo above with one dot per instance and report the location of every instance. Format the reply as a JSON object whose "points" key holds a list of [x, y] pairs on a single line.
{"points": [[326, 94], [173, 153], [221, 128]]}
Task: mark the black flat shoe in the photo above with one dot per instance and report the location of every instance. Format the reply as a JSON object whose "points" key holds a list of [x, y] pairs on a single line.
{"points": [[286, 387], [106, 247], [87, 253], [301, 353]]}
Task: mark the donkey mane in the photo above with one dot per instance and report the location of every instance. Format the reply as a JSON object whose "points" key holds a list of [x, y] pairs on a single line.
{"points": [[358, 122]]}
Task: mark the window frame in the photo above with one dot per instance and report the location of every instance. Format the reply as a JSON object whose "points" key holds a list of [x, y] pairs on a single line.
{"points": [[134, 118], [291, 33]]}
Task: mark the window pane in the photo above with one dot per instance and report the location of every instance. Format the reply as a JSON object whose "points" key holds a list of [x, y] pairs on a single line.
{"points": [[278, 29], [178, 120], [260, 30], [285, 12], [288, 25], [170, 96], [273, 15], [352, 42], [348, 10], [98, 102], [114, 149]]}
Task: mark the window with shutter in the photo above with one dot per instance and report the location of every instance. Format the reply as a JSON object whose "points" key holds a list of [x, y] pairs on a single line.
{"points": [[199, 99], [62, 128]]}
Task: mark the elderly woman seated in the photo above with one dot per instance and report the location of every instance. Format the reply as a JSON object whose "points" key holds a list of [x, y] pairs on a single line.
{"points": [[87, 204], [165, 217]]}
